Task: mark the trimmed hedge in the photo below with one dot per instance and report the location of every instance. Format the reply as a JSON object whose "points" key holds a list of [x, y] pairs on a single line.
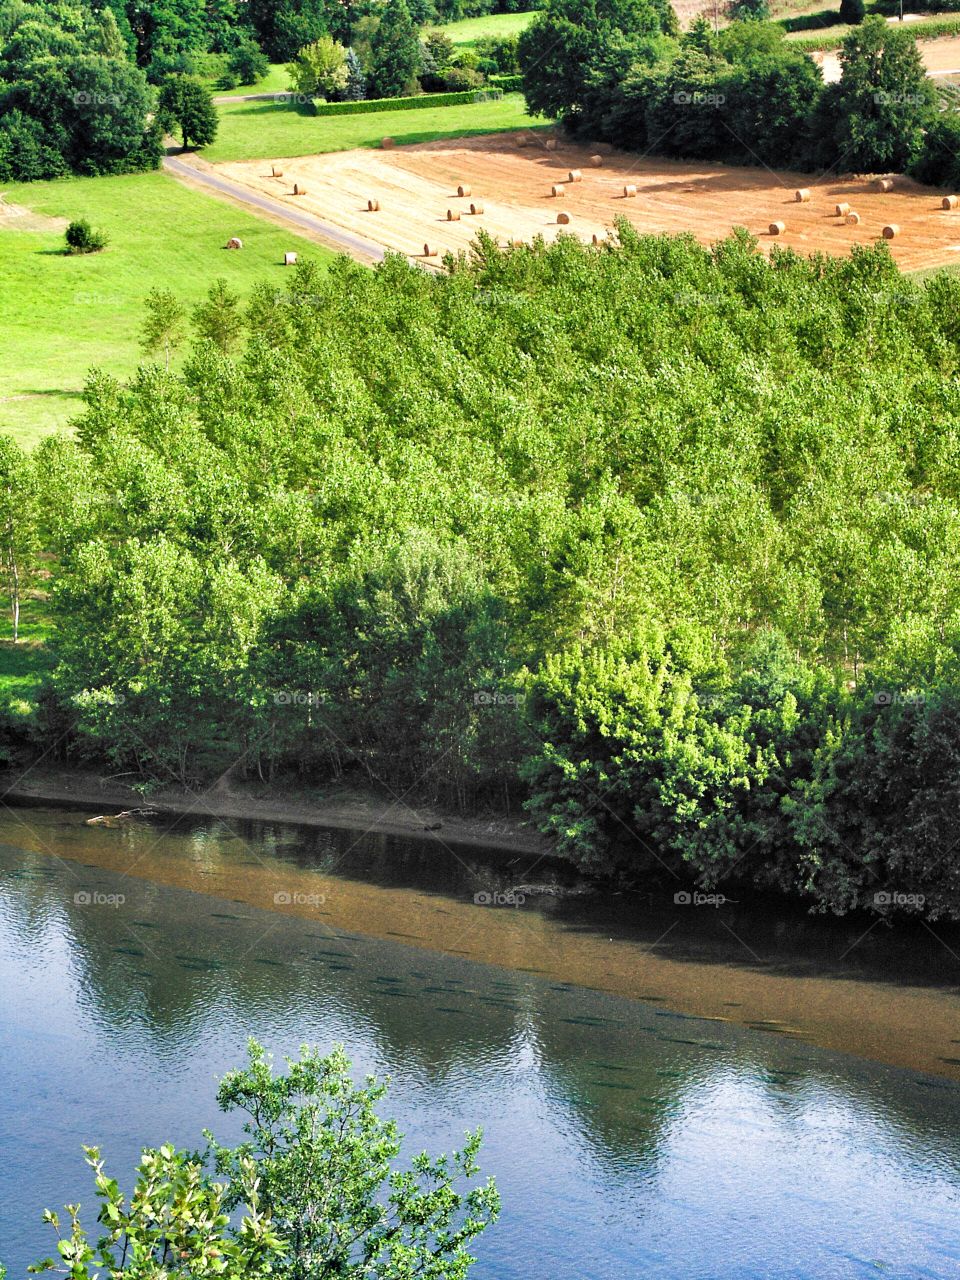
{"points": [[926, 30], [370, 105], [509, 84]]}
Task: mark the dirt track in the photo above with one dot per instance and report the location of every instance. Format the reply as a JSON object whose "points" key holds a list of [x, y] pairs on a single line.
{"points": [[417, 185]]}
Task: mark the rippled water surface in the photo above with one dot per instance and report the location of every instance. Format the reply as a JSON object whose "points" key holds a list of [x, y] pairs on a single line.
{"points": [[628, 1139]]}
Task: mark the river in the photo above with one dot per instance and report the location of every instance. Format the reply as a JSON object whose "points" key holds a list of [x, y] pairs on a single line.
{"points": [[783, 1101]]}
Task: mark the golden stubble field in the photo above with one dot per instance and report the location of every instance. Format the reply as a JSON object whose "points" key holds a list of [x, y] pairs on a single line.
{"points": [[417, 185]]}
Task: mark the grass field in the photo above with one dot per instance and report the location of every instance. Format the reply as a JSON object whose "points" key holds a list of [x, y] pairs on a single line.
{"points": [[255, 130], [277, 80], [491, 24], [64, 314]]}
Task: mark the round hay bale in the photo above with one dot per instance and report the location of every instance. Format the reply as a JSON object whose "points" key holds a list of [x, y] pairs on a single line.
{"points": [[552, 144], [373, 206], [563, 218], [299, 191], [387, 144], [453, 215], [275, 172], [890, 231], [777, 228], [853, 218], [574, 176], [802, 195], [599, 239], [842, 209], [557, 189], [522, 140], [289, 259], [950, 202], [476, 208], [234, 243], [883, 184], [596, 161], [629, 191], [463, 190], [430, 250]]}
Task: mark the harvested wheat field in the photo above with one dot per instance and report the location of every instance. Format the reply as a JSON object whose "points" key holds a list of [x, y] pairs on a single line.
{"points": [[513, 184]]}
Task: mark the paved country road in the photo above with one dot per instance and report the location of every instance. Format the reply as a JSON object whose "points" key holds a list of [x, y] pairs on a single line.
{"points": [[336, 237]]}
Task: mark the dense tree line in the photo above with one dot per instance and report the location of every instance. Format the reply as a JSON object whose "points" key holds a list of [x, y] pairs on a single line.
{"points": [[659, 540], [617, 70]]}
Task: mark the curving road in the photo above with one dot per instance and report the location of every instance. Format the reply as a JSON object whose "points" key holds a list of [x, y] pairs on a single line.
{"points": [[336, 237]]}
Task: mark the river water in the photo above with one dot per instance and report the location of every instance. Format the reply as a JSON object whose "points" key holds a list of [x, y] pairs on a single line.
{"points": [[736, 1122]]}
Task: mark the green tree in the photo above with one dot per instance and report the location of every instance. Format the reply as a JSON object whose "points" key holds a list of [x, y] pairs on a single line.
{"points": [[248, 63], [187, 104], [164, 324], [326, 1165], [874, 117], [19, 541], [852, 12], [285, 26], [82, 238], [394, 53], [173, 1225], [321, 70], [220, 319]]}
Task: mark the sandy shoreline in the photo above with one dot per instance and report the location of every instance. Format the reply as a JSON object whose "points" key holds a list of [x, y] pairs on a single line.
{"points": [[342, 809]]}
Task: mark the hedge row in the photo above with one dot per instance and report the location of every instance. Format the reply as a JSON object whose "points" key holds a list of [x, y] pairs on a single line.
{"points": [[509, 84], [404, 104], [925, 30]]}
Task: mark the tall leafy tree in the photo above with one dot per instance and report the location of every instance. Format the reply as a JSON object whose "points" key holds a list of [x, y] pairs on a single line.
{"points": [[394, 53], [186, 103]]}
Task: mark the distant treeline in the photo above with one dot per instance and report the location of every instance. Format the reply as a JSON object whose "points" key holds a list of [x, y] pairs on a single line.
{"points": [[617, 70], [660, 541]]}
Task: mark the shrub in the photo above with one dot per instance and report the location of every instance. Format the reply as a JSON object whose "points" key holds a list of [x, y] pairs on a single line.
{"points": [[459, 79], [403, 104], [82, 238], [852, 12], [248, 63]]}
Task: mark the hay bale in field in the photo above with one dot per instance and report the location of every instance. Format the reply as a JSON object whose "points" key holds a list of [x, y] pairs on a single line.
{"points": [[289, 259], [853, 218], [299, 191], [387, 144], [476, 208], [430, 250], [275, 172], [522, 140], [563, 218], [883, 184], [842, 209], [373, 206], [552, 144], [890, 231], [234, 243], [596, 161], [453, 215], [574, 176], [463, 190], [629, 191], [601, 239], [950, 202], [777, 228], [558, 189], [802, 195]]}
